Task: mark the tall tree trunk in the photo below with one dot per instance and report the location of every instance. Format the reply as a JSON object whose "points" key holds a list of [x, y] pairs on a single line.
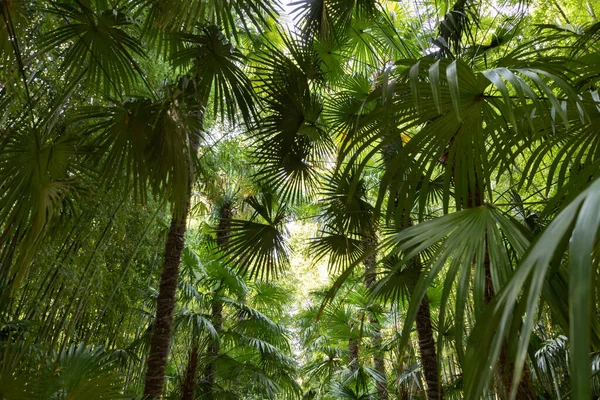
{"points": [[475, 198], [379, 361], [370, 264], [160, 341], [224, 227], [212, 352], [427, 348], [189, 384], [427, 351], [353, 352], [162, 332]]}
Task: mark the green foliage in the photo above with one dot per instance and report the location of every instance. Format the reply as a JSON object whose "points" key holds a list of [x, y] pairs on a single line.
{"points": [[387, 199]]}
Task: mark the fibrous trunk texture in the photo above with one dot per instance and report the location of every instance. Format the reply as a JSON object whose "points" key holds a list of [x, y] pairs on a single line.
{"points": [[427, 351], [353, 349], [162, 332], [165, 304], [189, 384], [212, 352], [224, 227], [378, 360]]}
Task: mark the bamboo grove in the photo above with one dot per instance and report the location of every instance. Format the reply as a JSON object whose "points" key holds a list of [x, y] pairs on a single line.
{"points": [[308, 199]]}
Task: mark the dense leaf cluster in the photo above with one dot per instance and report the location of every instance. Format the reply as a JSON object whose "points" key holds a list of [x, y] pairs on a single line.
{"points": [[320, 199]]}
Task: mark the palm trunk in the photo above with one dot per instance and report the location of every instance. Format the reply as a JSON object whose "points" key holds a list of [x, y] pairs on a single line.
{"points": [[427, 351], [162, 332], [378, 360], [475, 199], [353, 351], [189, 384], [224, 227], [427, 348], [160, 341], [212, 352]]}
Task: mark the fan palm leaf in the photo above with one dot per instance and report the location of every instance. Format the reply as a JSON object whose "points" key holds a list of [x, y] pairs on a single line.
{"points": [[574, 229], [40, 179], [258, 246], [245, 15], [216, 67], [146, 145], [98, 42], [290, 138]]}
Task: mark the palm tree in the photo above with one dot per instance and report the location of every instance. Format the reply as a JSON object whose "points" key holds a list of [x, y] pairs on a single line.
{"points": [[336, 25], [161, 130], [200, 324], [225, 214], [443, 109], [348, 232], [469, 116], [256, 247], [331, 364], [249, 344], [478, 146], [212, 64], [349, 219]]}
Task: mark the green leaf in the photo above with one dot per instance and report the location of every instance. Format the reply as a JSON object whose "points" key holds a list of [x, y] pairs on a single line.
{"points": [[434, 81], [452, 76], [258, 247], [577, 224]]}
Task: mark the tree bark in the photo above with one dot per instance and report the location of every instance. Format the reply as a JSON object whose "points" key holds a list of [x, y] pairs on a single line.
{"points": [[427, 348], [162, 332], [353, 352], [428, 351], [189, 384], [370, 264], [212, 352], [160, 341], [379, 361], [224, 227]]}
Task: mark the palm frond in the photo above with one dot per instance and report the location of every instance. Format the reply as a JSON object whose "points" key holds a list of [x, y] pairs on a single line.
{"points": [[177, 14], [470, 242], [258, 246], [341, 249], [575, 229], [96, 41], [216, 69], [146, 145], [290, 138]]}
